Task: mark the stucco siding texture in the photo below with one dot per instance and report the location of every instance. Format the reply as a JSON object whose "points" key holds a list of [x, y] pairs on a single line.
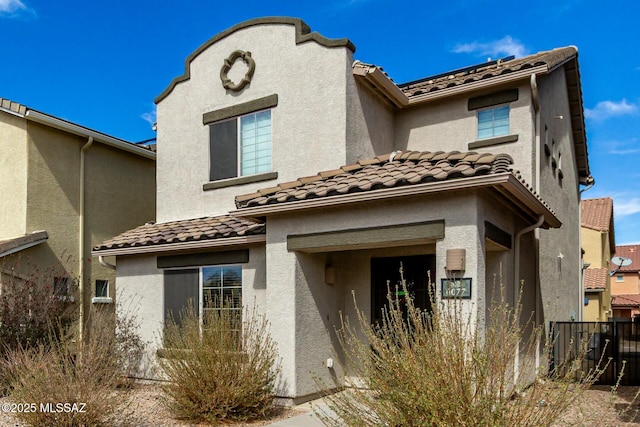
{"points": [[308, 124], [13, 182], [560, 250]]}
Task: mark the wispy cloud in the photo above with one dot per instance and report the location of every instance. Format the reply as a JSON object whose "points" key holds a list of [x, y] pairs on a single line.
{"points": [[150, 117], [626, 207], [13, 8], [605, 109], [505, 46], [630, 146]]}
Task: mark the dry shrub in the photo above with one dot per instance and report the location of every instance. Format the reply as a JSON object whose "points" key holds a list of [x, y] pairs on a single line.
{"points": [[446, 368], [29, 306], [86, 373], [217, 373]]}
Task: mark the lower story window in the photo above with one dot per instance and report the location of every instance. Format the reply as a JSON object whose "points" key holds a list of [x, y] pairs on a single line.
{"points": [[210, 289]]}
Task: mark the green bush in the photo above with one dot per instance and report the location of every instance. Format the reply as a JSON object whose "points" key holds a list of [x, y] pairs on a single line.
{"points": [[446, 368], [216, 372]]}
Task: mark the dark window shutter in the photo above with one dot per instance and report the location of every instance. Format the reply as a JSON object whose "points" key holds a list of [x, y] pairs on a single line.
{"points": [[181, 287], [223, 153]]}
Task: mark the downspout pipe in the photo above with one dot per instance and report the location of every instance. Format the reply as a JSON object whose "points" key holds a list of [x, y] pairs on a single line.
{"points": [[516, 290], [105, 264], [81, 233]]}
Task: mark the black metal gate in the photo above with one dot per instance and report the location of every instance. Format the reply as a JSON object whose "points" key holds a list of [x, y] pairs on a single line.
{"points": [[613, 347]]}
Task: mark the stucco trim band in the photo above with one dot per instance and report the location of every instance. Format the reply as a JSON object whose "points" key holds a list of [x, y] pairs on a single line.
{"points": [[493, 141], [230, 182], [198, 259], [510, 185], [240, 109], [303, 35], [367, 238], [171, 247]]}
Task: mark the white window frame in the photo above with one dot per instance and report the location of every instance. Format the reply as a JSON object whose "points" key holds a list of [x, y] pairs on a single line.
{"points": [[101, 299], [493, 134], [201, 307]]}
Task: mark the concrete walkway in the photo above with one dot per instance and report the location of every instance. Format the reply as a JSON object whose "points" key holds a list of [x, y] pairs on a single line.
{"points": [[308, 418]]}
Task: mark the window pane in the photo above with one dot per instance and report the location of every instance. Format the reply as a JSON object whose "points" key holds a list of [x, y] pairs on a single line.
{"points": [[232, 275], [256, 143], [180, 290], [212, 276], [493, 122], [223, 150]]}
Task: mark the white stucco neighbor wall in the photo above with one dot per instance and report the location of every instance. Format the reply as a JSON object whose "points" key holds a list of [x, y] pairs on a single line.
{"points": [[308, 124]]}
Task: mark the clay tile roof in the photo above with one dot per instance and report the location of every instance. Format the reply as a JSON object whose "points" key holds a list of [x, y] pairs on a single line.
{"points": [[198, 229], [473, 74], [633, 253], [597, 214], [9, 105], [629, 300], [596, 278], [406, 168]]}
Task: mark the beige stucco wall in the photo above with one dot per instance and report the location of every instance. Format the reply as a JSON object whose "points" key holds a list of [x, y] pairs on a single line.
{"points": [[303, 324], [13, 182], [630, 284], [140, 291], [597, 251], [447, 125], [308, 125], [594, 310]]}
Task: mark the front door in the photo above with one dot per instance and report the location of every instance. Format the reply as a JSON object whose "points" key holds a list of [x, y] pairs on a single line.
{"points": [[416, 270]]}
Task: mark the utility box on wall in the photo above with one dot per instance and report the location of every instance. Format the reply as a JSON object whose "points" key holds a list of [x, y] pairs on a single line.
{"points": [[456, 259]]}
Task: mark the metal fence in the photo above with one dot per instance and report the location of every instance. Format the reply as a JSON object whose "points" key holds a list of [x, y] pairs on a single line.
{"points": [[595, 345]]}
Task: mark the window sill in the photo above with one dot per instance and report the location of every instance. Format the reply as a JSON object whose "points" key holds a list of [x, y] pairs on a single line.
{"points": [[101, 300], [489, 142], [230, 182]]}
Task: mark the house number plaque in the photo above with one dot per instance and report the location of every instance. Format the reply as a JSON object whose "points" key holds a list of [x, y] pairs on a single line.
{"points": [[456, 288]]}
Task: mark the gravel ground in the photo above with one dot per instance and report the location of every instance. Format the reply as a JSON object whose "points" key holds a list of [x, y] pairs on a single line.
{"points": [[597, 407], [149, 410]]}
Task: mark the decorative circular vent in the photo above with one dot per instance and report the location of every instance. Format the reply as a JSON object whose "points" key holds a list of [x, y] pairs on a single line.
{"points": [[228, 64]]}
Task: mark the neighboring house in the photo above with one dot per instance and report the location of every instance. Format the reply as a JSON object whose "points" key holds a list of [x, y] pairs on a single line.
{"points": [[598, 243], [290, 174], [625, 283], [64, 189]]}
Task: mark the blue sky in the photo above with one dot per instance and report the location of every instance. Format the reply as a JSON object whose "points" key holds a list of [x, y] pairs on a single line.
{"points": [[101, 64]]}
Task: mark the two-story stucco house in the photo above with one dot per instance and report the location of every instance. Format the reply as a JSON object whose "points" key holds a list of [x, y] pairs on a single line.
{"points": [[625, 283], [290, 175], [65, 188]]}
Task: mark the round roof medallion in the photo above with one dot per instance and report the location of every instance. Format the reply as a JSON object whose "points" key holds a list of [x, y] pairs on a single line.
{"points": [[228, 64]]}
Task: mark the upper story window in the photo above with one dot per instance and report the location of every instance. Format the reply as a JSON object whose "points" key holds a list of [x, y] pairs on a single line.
{"points": [[619, 278], [240, 146], [493, 122], [240, 142]]}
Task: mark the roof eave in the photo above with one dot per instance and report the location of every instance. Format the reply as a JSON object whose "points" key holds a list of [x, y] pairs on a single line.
{"points": [[25, 242], [526, 200], [172, 247], [75, 129]]}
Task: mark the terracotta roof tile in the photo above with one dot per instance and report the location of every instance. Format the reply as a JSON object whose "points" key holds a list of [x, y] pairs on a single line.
{"points": [[198, 229], [469, 75], [633, 253], [596, 278], [628, 300], [597, 214], [406, 168]]}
